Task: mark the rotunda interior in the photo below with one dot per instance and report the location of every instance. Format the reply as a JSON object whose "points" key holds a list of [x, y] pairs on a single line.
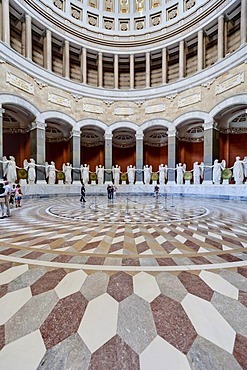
{"points": [[125, 124]]}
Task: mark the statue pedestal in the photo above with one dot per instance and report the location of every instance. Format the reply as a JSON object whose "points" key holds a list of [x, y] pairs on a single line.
{"points": [[187, 182], [226, 182], [124, 182], [23, 182], [60, 182], [93, 182]]}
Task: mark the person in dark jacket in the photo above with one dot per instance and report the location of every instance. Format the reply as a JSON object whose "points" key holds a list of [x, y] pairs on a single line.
{"points": [[83, 191]]}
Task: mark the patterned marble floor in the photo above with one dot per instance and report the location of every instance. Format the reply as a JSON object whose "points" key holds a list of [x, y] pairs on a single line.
{"points": [[133, 283]]}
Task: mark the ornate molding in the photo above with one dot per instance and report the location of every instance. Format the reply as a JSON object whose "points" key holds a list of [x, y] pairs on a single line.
{"points": [[229, 83], [208, 84], [38, 125], [209, 125], [108, 102], [40, 84], [171, 97], [19, 83], [77, 97]]}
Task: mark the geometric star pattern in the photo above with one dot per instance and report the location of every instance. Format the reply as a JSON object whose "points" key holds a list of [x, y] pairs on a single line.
{"points": [[82, 291]]}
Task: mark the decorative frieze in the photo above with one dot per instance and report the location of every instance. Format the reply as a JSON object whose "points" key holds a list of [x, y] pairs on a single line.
{"points": [[123, 111], [229, 83], [156, 108], [77, 97], [93, 108], [188, 100], [20, 83], [60, 100], [40, 84]]}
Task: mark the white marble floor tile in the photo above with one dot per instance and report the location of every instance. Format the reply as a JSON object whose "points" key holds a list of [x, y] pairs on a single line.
{"points": [[12, 273], [99, 323], [161, 355], [199, 237], [71, 283], [176, 251], [139, 240], [23, 354], [118, 239], [160, 239], [208, 322], [145, 286], [220, 285], [11, 302]]}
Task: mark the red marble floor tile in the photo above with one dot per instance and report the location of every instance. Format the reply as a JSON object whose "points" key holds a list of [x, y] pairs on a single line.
{"points": [[172, 323], [199, 260], [230, 258], [167, 246], [115, 247], [195, 285], [64, 319], [192, 245], [130, 262], [34, 255], [142, 247], [2, 336], [95, 261], [243, 297], [240, 350], [166, 262], [3, 289], [114, 355], [172, 233], [62, 258], [242, 271], [120, 286], [48, 281], [233, 241], [8, 251], [213, 243], [5, 266], [90, 246]]}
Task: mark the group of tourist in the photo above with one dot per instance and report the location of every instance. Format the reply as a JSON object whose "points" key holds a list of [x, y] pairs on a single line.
{"points": [[9, 196], [239, 171]]}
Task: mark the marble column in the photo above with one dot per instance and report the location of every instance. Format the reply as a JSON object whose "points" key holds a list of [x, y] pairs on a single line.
{"points": [[28, 21], [181, 59], [84, 65], [48, 50], [66, 62], [164, 66], [1, 140], [132, 72], [211, 148], [200, 50], [243, 21], [221, 25], [37, 148], [172, 154], [75, 153], [108, 156], [139, 157], [6, 22], [148, 69], [100, 70], [115, 71]]}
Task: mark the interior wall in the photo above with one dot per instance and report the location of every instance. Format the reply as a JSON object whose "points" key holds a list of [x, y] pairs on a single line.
{"points": [[123, 157], [155, 156], [17, 145], [58, 152], [93, 156], [190, 153], [237, 147]]}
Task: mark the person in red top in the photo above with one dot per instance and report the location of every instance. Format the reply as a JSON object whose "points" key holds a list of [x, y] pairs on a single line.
{"points": [[18, 196]]}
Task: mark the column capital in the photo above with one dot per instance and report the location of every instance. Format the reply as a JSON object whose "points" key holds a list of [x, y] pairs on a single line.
{"points": [[75, 133], [210, 125], [38, 125], [108, 136], [172, 132], [139, 135]]}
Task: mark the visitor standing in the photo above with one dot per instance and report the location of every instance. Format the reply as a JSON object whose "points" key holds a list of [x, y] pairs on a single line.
{"points": [[18, 196], [3, 195], [83, 193]]}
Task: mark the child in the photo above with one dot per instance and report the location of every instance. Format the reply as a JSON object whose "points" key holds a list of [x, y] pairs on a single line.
{"points": [[18, 195], [12, 195]]}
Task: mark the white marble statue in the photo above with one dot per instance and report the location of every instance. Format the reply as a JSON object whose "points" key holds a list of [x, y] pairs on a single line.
{"points": [[9, 169], [131, 174], [217, 169], [116, 174], [67, 170], [85, 173], [147, 171], [162, 173], [198, 170], [180, 168], [30, 167], [50, 171], [245, 166], [238, 171], [100, 174]]}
